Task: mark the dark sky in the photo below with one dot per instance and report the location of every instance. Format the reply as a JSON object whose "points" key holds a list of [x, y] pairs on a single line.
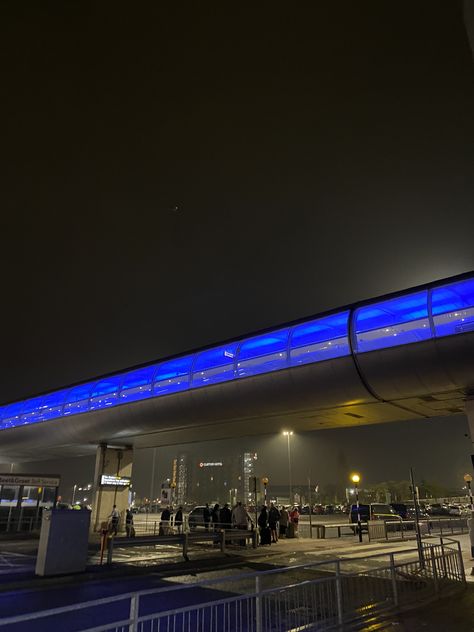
{"points": [[317, 155], [438, 449]]}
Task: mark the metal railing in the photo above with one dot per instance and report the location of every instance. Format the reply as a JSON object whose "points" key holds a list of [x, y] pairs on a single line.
{"points": [[25, 524], [388, 529], [325, 595], [184, 540]]}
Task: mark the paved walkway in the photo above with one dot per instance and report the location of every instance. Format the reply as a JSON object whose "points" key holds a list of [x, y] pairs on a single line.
{"points": [[18, 558]]}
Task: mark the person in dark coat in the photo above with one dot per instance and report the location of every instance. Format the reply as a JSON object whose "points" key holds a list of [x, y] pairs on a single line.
{"points": [[207, 515], [273, 519], [215, 517], [262, 522], [129, 528], [225, 517], [178, 519], [165, 521]]}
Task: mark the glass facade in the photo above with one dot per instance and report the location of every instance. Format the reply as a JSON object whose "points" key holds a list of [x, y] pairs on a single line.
{"points": [[172, 376], [77, 400], [105, 393], [453, 308], [320, 339], [137, 384], [263, 354], [215, 365], [397, 321], [442, 310]]}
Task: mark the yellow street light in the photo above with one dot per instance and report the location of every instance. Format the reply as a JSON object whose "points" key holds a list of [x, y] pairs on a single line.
{"points": [[355, 478], [468, 479], [265, 483]]}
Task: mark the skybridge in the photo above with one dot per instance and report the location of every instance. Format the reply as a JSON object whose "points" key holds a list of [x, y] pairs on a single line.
{"points": [[406, 355]]}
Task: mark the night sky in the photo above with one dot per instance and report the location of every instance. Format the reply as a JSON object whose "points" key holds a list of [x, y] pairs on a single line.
{"points": [[176, 175]]}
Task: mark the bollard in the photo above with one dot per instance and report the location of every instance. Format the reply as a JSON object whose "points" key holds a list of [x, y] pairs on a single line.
{"points": [[222, 537]]}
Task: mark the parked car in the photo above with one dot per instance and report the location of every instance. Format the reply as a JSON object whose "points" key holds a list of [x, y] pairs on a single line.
{"points": [[454, 510], [196, 518], [406, 511], [439, 509], [373, 511]]}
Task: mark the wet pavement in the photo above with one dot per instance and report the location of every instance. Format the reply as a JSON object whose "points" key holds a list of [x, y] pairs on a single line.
{"points": [[153, 567]]}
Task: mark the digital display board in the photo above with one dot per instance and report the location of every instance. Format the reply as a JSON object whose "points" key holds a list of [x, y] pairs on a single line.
{"points": [[116, 481]]}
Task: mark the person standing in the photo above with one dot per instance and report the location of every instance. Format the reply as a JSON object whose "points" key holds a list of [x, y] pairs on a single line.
{"points": [[240, 517], [225, 517], [273, 519], [284, 519], [129, 528], [265, 535], [240, 520], [165, 521], [295, 518], [178, 519], [206, 515], [114, 520], [215, 517]]}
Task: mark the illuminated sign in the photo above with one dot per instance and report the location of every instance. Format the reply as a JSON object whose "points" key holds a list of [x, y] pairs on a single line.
{"points": [[118, 481], [216, 464], [33, 480]]}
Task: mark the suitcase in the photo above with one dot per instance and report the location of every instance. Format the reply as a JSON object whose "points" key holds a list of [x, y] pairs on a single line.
{"points": [[265, 536]]}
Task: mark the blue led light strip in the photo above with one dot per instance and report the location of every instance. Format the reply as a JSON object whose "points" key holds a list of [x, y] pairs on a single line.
{"points": [[439, 310]]}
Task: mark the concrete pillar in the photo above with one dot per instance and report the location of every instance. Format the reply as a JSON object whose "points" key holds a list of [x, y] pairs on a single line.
{"points": [[115, 462], [470, 420]]}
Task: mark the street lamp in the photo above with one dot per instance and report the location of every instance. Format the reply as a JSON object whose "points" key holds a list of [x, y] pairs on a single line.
{"points": [[288, 434], [467, 480], [355, 478], [265, 483]]}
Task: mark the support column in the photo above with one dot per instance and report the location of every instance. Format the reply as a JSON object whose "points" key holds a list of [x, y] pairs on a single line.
{"points": [[114, 462], [470, 421]]}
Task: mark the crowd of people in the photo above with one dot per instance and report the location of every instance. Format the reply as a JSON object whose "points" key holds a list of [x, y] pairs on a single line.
{"points": [[272, 522]]}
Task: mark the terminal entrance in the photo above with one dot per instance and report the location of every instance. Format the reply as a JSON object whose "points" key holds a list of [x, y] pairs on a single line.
{"points": [[23, 498]]}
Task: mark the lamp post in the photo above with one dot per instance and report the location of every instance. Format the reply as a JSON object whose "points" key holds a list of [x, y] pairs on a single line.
{"points": [[288, 434], [265, 483], [355, 478], [467, 480]]}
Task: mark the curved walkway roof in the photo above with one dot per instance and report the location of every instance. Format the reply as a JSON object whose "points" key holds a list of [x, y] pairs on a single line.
{"points": [[413, 344]]}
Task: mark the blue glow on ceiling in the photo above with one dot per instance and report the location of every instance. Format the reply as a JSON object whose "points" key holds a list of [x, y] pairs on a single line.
{"points": [[378, 325], [452, 297]]}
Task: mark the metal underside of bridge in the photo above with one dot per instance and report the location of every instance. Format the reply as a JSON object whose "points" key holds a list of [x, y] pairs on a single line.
{"points": [[424, 379], [411, 382]]}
